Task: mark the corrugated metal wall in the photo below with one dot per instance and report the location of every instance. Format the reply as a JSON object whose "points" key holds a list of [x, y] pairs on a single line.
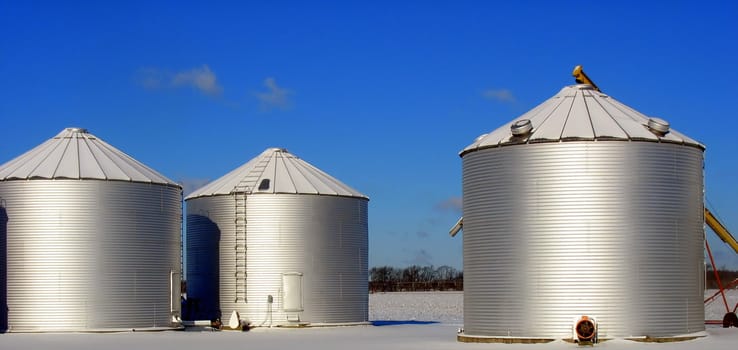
{"points": [[91, 255], [554, 231], [323, 237], [208, 219]]}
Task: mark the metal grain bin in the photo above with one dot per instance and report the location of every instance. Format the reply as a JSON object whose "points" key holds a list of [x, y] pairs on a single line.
{"points": [[280, 242], [93, 239], [583, 207]]}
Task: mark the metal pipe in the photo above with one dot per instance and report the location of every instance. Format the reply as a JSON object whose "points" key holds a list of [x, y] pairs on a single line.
{"points": [[717, 276]]}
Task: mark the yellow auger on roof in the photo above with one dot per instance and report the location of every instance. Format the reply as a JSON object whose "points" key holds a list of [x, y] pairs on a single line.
{"points": [[582, 78]]}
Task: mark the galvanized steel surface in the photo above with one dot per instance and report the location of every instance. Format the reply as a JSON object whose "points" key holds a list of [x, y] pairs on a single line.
{"points": [[323, 237], [76, 154], [277, 171], [578, 113], [611, 230], [85, 255]]}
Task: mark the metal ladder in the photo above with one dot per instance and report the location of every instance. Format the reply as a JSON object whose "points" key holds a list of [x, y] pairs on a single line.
{"points": [[240, 243], [241, 192]]}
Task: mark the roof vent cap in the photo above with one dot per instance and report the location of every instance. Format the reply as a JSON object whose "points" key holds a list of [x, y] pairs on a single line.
{"points": [[658, 126], [480, 137], [521, 127], [80, 130]]}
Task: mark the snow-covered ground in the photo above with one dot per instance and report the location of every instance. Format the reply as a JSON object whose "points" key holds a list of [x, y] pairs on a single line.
{"points": [[443, 307], [715, 310], [402, 321]]}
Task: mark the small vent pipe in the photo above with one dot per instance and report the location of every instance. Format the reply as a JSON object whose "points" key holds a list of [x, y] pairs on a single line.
{"points": [[521, 127], [658, 126]]}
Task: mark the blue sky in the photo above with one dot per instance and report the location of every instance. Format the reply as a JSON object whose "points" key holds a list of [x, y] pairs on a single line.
{"points": [[381, 95]]}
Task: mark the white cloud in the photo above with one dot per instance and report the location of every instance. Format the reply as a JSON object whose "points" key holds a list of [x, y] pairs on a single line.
{"points": [[201, 78], [150, 78], [500, 95], [191, 184], [452, 204], [275, 96]]}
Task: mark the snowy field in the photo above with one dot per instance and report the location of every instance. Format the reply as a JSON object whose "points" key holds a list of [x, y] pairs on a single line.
{"points": [[417, 320]]}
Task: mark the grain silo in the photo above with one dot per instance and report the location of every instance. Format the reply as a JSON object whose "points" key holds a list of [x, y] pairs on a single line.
{"points": [[92, 238], [280, 242], [582, 212]]}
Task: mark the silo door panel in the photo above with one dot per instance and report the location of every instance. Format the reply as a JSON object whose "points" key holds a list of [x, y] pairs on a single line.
{"points": [[292, 292]]}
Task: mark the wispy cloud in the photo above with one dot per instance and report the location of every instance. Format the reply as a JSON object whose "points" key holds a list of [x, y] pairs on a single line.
{"points": [[500, 95], [190, 185], [275, 96], [452, 204], [420, 257], [150, 78], [201, 79]]}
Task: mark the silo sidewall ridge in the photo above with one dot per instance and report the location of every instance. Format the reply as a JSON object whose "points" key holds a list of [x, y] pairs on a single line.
{"points": [[323, 239], [86, 255], [206, 217], [612, 230]]}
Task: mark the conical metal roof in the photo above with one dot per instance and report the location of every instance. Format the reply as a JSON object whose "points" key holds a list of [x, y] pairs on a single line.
{"points": [[276, 171], [581, 113], [76, 154]]}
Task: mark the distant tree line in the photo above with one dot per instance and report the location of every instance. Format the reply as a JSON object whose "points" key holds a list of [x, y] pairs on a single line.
{"points": [[415, 278], [726, 276], [428, 278]]}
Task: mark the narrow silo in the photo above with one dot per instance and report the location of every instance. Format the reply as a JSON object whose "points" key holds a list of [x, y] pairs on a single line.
{"points": [[583, 207], [280, 242], [92, 239]]}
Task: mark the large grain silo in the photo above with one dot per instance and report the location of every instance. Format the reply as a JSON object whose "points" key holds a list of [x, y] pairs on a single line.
{"points": [[280, 242], [92, 239], [582, 212]]}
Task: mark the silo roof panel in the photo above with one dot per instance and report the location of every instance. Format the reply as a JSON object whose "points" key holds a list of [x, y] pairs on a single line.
{"points": [[285, 172], [603, 125], [295, 179], [89, 169], [21, 167], [76, 154], [108, 166], [323, 184], [69, 163], [578, 124], [576, 113], [52, 159], [551, 128]]}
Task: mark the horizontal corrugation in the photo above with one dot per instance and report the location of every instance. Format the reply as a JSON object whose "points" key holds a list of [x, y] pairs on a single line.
{"points": [[323, 237], [208, 219], [91, 255], [608, 229]]}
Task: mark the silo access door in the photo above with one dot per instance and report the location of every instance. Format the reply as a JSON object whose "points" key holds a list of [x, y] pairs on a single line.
{"points": [[292, 292]]}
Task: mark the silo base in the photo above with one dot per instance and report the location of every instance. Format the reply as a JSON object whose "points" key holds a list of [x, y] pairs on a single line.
{"points": [[96, 330], [678, 338], [465, 338]]}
